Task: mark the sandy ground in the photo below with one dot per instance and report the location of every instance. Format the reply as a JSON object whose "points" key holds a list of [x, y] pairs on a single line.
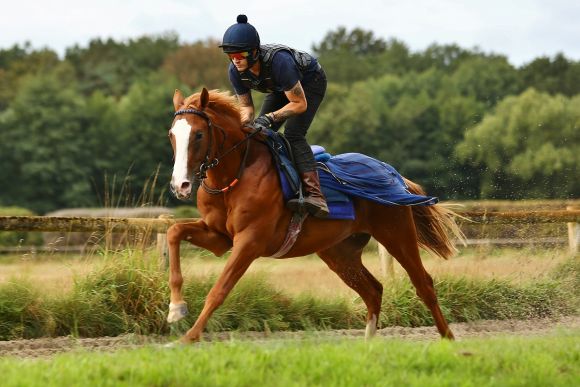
{"points": [[47, 347]]}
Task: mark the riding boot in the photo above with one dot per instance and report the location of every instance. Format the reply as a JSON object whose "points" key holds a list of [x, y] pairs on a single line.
{"points": [[314, 200]]}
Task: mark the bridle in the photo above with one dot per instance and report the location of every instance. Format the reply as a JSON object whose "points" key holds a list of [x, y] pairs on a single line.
{"points": [[208, 162]]}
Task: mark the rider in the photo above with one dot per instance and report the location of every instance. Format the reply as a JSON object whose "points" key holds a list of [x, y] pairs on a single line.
{"points": [[295, 83]]}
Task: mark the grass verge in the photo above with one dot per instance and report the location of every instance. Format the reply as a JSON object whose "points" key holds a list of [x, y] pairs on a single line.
{"points": [[552, 360]]}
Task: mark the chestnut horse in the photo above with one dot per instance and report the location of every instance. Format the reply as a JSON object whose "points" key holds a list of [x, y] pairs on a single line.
{"points": [[242, 209]]}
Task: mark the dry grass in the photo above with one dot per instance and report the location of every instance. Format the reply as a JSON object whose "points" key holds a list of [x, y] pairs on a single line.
{"points": [[311, 275], [300, 275]]}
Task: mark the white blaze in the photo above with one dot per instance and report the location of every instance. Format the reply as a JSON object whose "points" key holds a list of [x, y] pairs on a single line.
{"points": [[181, 131]]}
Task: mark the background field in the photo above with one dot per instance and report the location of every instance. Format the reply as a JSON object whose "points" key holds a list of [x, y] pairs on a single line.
{"points": [[56, 272]]}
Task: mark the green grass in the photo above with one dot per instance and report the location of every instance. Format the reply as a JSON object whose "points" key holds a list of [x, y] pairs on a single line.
{"points": [[552, 360]]}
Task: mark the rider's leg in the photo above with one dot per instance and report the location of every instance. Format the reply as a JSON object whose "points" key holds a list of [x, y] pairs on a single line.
{"points": [[295, 132], [314, 201]]}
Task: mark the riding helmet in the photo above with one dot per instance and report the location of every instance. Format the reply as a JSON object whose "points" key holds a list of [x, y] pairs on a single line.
{"points": [[241, 36]]}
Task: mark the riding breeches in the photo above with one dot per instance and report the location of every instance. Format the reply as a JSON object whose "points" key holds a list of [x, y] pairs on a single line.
{"points": [[297, 126]]}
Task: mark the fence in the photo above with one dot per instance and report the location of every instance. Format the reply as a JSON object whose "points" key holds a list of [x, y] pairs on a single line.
{"points": [[571, 216], [160, 225]]}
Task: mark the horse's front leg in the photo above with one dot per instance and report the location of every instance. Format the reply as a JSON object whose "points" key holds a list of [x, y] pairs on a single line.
{"points": [[199, 235], [235, 267]]}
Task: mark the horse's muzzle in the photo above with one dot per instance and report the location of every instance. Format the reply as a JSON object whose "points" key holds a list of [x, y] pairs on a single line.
{"points": [[182, 190]]}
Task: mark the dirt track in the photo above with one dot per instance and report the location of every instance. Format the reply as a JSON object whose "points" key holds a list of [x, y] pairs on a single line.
{"points": [[50, 346]]}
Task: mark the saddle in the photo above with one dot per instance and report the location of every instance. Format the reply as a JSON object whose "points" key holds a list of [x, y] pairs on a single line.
{"points": [[343, 177]]}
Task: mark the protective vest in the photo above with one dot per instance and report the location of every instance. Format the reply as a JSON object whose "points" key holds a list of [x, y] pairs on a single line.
{"points": [[264, 83]]}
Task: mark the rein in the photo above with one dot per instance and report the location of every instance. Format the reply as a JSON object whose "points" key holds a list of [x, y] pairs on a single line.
{"points": [[207, 164]]}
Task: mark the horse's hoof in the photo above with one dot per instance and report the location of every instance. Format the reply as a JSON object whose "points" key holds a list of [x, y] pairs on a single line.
{"points": [[177, 312], [371, 329]]}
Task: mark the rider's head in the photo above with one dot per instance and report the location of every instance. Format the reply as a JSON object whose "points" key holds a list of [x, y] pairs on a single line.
{"points": [[242, 38]]}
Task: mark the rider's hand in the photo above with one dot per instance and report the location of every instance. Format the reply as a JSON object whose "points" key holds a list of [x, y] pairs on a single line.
{"points": [[263, 122]]}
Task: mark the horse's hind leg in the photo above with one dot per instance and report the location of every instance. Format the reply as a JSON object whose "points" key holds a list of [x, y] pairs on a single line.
{"points": [[399, 237], [345, 260]]}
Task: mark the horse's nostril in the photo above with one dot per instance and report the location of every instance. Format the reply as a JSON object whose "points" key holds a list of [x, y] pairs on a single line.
{"points": [[185, 185]]}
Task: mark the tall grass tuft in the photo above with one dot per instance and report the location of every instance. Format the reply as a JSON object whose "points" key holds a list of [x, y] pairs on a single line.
{"points": [[23, 312], [125, 295]]}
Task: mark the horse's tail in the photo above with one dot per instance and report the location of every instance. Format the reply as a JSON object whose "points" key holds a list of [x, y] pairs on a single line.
{"points": [[436, 227]]}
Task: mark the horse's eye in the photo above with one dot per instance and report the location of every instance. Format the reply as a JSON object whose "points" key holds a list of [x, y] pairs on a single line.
{"points": [[198, 135]]}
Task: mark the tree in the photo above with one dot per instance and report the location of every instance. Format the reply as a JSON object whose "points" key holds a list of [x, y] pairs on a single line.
{"points": [[18, 63], [144, 161], [42, 145], [528, 147], [112, 67], [445, 57], [199, 64], [554, 76], [357, 55], [487, 79]]}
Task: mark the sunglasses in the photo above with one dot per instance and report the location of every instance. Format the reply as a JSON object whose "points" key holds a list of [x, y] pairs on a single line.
{"points": [[239, 55]]}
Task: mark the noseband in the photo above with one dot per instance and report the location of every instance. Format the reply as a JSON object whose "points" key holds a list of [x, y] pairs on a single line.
{"points": [[207, 163]]}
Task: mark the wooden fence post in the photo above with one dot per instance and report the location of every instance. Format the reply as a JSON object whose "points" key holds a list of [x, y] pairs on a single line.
{"points": [[573, 233], [386, 261], [162, 249]]}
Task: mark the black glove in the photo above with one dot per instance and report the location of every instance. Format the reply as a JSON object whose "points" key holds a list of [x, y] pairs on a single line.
{"points": [[263, 122]]}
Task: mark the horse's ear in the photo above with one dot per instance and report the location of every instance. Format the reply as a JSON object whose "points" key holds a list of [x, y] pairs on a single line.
{"points": [[177, 99], [204, 98]]}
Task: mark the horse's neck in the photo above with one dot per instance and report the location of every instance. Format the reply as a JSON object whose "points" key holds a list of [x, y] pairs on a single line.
{"points": [[229, 159]]}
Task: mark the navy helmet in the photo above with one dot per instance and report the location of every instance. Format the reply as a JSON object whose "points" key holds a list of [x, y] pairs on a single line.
{"points": [[241, 36]]}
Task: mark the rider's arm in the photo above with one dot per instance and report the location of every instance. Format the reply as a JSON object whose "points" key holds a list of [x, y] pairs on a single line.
{"points": [[297, 104], [246, 108]]}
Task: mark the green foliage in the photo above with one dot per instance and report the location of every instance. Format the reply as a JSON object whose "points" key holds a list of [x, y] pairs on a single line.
{"points": [[529, 147], [70, 128], [41, 139], [199, 64], [358, 55], [488, 80], [446, 57], [19, 63], [112, 67], [554, 76]]}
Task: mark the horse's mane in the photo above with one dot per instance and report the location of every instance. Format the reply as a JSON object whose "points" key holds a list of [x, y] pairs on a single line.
{"points": [[222, 102]]}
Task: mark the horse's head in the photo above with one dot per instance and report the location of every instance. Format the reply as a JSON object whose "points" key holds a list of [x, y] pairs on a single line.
{"points": [[190, 137]]}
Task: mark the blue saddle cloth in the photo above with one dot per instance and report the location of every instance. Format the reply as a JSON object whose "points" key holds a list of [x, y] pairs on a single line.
{"points": [[344, 176]]}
